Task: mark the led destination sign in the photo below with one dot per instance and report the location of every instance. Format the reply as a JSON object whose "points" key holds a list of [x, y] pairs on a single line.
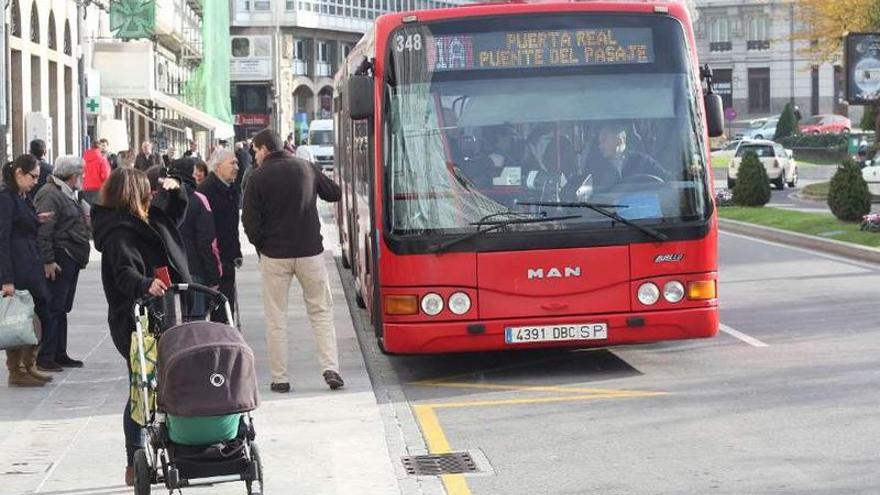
{"points": [[533, 49]]}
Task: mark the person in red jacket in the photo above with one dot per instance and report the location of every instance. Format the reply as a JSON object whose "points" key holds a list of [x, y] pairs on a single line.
{"points": [[95, 172]]}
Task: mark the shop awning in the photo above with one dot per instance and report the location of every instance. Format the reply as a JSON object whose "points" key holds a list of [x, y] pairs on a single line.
{"points": [[221, 129]]}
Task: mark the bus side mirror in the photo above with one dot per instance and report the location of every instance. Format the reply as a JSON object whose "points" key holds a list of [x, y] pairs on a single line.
{"points": [[714, 114], [360, 97]]}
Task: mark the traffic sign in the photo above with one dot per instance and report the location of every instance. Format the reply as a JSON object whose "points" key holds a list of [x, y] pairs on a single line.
{"points": [[729, 113], [92, 105]]}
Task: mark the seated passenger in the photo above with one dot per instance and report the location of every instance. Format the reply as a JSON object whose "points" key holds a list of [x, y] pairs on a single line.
{"points": [[489, 164]]}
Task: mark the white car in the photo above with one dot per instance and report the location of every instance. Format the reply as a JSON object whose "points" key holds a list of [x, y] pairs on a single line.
{"points": [[778, 162], [871, 174], [760, 129]]}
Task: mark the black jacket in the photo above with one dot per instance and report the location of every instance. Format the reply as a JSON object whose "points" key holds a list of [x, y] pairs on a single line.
{"points": [[143, 162], [66, 231], [224, 207], [198, 234], [244, 163], [46, 170], [131, 251], [280, 211], [19, 256]]}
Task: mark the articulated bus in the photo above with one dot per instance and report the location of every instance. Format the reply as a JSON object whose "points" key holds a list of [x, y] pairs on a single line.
{"points": [[525, 175]]}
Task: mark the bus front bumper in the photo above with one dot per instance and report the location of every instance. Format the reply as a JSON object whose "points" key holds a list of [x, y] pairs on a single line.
{"points": [[489, 335]]}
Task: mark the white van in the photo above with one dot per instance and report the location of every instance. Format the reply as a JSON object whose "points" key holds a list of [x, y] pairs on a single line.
{"points": [[319, 149]]}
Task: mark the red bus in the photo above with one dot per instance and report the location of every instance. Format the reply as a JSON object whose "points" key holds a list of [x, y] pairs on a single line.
{"points": [[526, 175]]}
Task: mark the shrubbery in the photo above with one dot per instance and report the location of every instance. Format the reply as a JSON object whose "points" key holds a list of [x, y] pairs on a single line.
{"points": [[752, 184], [848, 196], [867, 123], [787, 124], [831, 142]]}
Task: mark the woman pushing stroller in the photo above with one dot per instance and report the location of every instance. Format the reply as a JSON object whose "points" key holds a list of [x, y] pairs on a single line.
{"points": [[138, 237]]}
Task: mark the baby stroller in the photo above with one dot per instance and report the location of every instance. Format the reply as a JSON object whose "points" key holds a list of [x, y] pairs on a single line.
{"points": [[197, 384]]}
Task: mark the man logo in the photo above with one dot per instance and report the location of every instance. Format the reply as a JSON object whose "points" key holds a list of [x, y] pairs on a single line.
{"points": [[668, 258], [553, 272], [217, 380]]}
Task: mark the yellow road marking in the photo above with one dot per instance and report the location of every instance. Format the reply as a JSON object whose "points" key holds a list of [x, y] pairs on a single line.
{"points": [[540, 400], [455, 484], [522, 388]]}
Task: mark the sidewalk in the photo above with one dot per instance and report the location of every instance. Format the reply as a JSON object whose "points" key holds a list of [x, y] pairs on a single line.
{"points": [[66, 438]]}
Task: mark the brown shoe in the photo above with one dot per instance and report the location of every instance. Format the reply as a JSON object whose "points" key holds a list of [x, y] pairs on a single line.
{"points": [[333, 380], [39, 375], [281, 388], [129, 476], [21, 378]]}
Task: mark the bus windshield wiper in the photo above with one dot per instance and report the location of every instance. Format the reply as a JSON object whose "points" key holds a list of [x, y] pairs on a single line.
{"points": [[491, 225], [601, 208]]}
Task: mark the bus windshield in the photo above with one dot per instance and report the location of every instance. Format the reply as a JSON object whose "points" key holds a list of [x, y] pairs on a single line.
{"points": [[482, 115]]}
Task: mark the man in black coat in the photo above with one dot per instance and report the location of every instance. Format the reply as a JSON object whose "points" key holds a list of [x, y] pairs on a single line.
{"points": [[197, 231], [146, 158], [281, 220], [243, 155], [219, 188], [38, 150]]}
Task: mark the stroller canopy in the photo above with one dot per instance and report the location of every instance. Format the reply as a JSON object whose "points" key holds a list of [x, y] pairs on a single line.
{"points": [[206, 369]]}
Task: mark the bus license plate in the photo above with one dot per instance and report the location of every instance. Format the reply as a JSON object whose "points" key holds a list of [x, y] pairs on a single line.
{"points": [[556, 333]]}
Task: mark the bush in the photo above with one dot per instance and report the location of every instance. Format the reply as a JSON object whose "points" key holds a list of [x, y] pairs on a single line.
{"points": [[752, 184], [830, 142], [787, 125], [848, 196]]}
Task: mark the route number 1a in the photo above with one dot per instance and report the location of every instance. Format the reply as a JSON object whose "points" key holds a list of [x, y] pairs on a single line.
{"points": [[409, 42]]}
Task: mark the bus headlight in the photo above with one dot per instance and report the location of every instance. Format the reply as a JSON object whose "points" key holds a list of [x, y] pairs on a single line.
{"points": [[673, 291], [648, 294], [459, 303], [432, 304]]}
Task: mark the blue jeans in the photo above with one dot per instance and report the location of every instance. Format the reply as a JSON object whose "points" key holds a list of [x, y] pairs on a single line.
{"points": [[134, 434]]}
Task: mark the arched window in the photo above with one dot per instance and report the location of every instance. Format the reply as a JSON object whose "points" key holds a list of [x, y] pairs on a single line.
{"points": [[52, 34], [15, 27], [35, 23], [719, 30], [759, 29], [68, 46]]}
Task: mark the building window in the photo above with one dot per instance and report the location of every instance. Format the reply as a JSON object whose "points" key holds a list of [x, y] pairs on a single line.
{"points": [[68, 46], [344, 52], [759, 34], [35, 23], [15, 22], [759, 90], [299, 57], [719, 35], [322, 66], [290, 5], [253, 5], [52, 35], [241, 47]]}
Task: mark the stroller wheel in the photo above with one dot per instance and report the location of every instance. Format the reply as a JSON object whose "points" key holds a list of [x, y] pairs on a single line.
{"points": [[142, 477], [258, 469]]}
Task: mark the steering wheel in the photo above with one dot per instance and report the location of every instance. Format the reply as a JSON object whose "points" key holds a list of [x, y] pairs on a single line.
{"points": [[643, 178]]}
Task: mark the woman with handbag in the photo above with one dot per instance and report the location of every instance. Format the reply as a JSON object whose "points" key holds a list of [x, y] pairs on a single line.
{"points": [[138, 239], [22, 269]]}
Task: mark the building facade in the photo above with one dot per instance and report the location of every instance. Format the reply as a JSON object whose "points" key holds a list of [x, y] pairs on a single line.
{"points": [[285, 53], [42, 78], [758, 67]]}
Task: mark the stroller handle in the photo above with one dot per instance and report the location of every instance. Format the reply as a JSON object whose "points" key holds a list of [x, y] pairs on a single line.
{"points": [[184, 288]]}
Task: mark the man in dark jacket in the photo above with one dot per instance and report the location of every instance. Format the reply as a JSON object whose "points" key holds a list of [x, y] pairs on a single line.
{"points": [[146, 158], [198, 234], [63, 240], [243, 156], [281, 220], [219, 188], [38, 150]]}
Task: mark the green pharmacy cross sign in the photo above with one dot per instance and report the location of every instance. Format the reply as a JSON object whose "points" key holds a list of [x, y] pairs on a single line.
{"points": [[133, 19], [92, 105]]}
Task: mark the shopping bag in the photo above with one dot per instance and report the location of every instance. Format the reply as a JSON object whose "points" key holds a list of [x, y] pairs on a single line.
{"points": [[151, 357], [17, 320]]}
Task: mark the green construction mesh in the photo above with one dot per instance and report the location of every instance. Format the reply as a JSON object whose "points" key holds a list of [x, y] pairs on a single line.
{"points": [[208, 89]]}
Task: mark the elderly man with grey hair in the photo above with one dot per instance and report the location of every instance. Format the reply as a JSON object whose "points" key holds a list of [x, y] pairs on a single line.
{"points": [[219, 188], [64, 248]]}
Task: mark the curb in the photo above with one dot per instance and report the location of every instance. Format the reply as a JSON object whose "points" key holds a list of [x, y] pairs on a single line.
{"points": [[828, 246]]}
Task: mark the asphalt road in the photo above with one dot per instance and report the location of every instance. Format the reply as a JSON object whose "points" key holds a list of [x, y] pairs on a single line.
{"points": [[786, 405]]}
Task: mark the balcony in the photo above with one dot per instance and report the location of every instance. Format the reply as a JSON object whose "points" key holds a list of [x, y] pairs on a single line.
{"points": [[752, 45], [299, 68], [179, 27], [720, 46], [322, 69]]}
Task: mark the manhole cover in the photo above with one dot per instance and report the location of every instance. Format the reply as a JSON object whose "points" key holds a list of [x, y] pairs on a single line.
{"points": [[437, 464]]}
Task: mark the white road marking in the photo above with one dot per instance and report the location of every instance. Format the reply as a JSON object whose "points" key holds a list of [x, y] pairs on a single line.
{"points": [[741, 336]]}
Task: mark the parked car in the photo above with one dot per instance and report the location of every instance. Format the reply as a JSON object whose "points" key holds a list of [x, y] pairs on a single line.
{"points": [[826, 124], [778, 162], [871, 174], [760, 129]]}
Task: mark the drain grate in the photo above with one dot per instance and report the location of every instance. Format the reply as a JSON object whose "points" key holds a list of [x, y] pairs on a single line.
{"points": [[437, 464]]}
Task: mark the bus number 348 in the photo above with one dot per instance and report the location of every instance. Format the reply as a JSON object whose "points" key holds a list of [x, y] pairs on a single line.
{"points": [[410, 42]]}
